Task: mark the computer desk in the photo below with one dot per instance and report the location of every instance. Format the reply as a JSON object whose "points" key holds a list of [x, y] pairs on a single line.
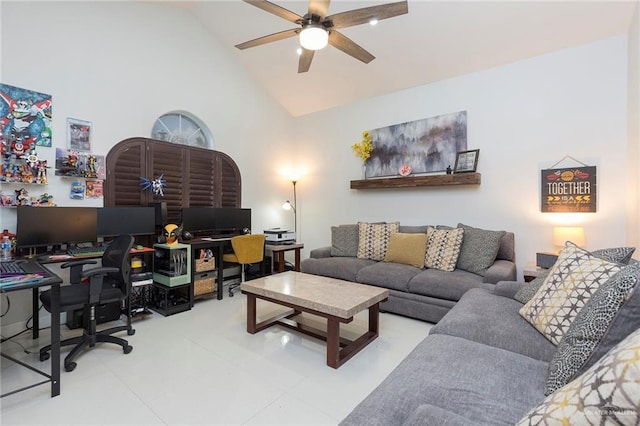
{"points": [[54, 281]]}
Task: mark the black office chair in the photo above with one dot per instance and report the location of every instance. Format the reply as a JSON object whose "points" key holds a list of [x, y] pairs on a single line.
{"points": [[107, 284]]}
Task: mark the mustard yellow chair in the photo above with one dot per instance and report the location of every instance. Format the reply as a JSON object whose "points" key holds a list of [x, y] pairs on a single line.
{"points": [[247, 249]]}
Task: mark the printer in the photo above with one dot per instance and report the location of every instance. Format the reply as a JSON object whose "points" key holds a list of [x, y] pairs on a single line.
{"points": [[279, 236]]}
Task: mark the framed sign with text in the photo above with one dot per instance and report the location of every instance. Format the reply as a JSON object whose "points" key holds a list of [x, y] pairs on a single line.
{"points": [[569, 190]]}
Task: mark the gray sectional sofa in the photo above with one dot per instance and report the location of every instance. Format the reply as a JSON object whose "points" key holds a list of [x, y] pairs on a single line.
{"points": [[422, 293], [484, 364]]}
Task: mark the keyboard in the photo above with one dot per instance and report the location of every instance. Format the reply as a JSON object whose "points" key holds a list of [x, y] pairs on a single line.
{"points": [[86, 251], [14, 267]]}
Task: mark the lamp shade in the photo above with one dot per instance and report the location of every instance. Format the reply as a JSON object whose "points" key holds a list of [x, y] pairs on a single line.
{"points": [[314, 37], [562, 234]]}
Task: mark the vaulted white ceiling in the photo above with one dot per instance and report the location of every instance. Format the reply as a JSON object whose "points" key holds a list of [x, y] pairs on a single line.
{"points": [[436, 40]]}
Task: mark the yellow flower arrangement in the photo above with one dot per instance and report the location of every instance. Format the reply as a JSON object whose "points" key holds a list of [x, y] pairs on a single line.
{"points": [[363, 149]]}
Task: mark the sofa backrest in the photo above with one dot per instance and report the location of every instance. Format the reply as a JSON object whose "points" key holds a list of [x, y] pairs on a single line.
{"points": [[507, 249]]}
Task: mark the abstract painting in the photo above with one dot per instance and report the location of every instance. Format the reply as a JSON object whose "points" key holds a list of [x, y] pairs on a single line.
{"points": [[429, 145]]}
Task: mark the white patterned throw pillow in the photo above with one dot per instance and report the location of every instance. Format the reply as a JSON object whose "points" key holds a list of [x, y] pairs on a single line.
{"points": [[608, 393], [373, 239], [443, 248], [576, 275]]}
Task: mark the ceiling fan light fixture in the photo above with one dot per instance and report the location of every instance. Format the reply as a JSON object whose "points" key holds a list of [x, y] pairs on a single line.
{"points": [[314, 37]]}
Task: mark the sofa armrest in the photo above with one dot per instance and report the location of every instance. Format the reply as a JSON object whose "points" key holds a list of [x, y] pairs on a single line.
{"points": [[321, 252], [507, 289], [501, 270]]}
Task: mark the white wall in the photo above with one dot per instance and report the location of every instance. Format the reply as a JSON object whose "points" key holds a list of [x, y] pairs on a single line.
{"points": [[523, 117], [121, 65]]}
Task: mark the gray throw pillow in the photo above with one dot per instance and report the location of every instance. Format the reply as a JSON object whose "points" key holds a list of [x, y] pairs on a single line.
{"points": [[612, 313], [479, 249], [344, 240], [617, 254], [529, 289]]}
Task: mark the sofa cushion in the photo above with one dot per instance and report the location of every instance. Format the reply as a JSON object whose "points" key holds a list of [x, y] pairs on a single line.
{"points": [[344, 240], [407, 248], [617, 254], [344, 268], [611, 314], [574, 277], [482, 384], [373, 239], [445, 285], [607, 393], [493, 320], [387, 274], [413, 229], [479, 249], [443, 248]]}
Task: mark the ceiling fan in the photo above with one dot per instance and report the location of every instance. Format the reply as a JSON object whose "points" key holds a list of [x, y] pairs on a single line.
{"points": [[316, 28]]}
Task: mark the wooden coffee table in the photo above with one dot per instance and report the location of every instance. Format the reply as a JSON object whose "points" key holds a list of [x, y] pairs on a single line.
{"points": [[336, 300]]}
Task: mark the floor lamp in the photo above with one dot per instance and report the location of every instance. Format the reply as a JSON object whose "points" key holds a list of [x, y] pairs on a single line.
{"points": [[288, 206]]}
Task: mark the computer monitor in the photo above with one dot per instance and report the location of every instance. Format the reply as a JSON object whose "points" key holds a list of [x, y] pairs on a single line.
{"points": [[232, 219], [52, 226], [113, 221], [198, 219]]}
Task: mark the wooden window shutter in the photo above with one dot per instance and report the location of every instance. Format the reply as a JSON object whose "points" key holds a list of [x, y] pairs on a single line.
{"points": [[193, 176]]}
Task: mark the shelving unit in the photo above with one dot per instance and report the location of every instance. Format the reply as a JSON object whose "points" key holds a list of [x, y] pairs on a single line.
{"points": [[172, 290], [417, 181]]}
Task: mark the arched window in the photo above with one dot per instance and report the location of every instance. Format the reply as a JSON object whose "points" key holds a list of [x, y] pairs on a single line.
{"points": [[183, 128]]}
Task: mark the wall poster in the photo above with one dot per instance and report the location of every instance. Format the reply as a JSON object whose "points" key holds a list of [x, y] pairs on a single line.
{"points": [[25, 120], [427, 146], [569, 190]]}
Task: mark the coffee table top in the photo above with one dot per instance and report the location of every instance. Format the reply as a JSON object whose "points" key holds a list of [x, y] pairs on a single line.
{"points": [[339, 298]]}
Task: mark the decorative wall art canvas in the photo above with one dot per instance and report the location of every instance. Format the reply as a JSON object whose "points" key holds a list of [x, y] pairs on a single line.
{"points": [[25, 120], [427, 146]]}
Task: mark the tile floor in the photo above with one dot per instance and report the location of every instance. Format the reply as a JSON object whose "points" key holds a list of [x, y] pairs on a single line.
{"points": [[202, 367]]}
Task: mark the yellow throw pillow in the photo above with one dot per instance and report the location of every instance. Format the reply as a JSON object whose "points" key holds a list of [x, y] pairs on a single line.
{"points": [[407, 248]]}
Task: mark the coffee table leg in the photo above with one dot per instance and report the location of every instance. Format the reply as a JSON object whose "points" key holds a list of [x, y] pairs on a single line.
{"points": [[251, 313], [374, 318], [333, 343]]}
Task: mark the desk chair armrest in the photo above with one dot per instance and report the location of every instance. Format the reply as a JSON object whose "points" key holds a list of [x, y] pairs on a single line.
{"points": [[76, 269], [96, 276]]}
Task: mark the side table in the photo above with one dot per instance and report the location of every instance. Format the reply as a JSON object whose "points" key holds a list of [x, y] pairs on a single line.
{"points": [[531, 272], [278, 251]]}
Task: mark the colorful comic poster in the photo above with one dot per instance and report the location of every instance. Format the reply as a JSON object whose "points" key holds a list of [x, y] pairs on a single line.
{"points": [[94, 189], [25, 120]]}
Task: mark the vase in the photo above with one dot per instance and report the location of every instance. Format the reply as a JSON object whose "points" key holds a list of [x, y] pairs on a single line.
{"points": [[364, 171]]}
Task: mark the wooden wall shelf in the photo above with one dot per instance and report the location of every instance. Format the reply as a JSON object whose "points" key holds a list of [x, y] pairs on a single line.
{"points": [[416, 181]]}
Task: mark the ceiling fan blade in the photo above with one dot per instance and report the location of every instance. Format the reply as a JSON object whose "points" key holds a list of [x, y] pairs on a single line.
{"points": [[349, 47], [274, 9], [366, 14], [305, 60], [268, 38], [319, 7]]}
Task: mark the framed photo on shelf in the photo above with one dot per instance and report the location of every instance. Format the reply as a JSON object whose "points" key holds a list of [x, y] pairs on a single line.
{"points": [[79, 135], [466, 161]]}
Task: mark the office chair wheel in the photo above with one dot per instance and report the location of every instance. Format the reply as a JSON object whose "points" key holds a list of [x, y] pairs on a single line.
{"points": [[131, 332], [70, 366], [230, 294], [45, 356], [127, 349]]}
